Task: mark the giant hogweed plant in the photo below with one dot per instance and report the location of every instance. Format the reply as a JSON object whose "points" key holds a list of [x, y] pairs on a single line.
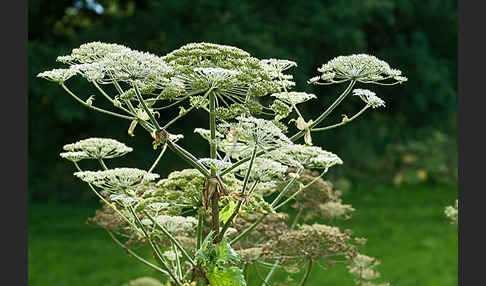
{"points": [[213, 222]]}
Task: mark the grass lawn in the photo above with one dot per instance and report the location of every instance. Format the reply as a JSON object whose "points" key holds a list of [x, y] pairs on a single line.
{"points": [[406, 230]]}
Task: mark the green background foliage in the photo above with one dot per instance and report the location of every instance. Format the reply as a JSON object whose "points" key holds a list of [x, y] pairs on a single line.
{"points": [[418, 37]]}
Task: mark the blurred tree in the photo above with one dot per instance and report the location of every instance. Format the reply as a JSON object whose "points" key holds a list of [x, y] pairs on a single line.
{"points": [[418, 37]]}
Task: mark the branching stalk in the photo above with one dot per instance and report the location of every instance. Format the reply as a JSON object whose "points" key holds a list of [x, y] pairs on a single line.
{"points": [[344, 122], [94, 107]]}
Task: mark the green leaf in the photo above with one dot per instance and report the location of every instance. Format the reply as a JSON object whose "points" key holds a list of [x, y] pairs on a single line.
{"points": [[225, 253], [228, 276], [225, 213], [204, 254]]}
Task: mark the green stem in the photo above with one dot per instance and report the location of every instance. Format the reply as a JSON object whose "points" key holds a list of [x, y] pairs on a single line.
{"points": [[300, 190], [342, 123], [158, 158], [156, 250], [285, 189], [248, 230], [104, 200], [212, 127], [109, 98], [327, 112], [238, 206], [307, 273], [188, 157], [178, 262], [95, 108], [178, 117], [145, 107], [102, 163]]}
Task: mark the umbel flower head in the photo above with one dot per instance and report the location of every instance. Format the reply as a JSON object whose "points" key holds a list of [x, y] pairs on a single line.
{"points": [[263, 170], [251, 130], [117, 179], [233, 75], [174, 224], [311, 157], [369, 97], [311, 241], [294, 97], [359, 67], [75, 156], [57, 75], [97, 148], [91, 52]]}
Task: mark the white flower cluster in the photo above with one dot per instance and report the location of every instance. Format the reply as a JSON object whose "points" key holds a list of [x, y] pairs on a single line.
{"points": [[117, 179], [362, 267], [57, 75], [91, 52], [263, 170], [294, 97], [96, 148], [335, 209], [124, 199], [106, 63], [235, 77], [278, 65], [175, 224], [74, 156], [216, 75], [157, 206], [311, 157], [359, 67], [251, 130], [369, 97]]}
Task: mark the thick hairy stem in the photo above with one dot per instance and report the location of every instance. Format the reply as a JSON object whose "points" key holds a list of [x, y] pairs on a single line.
{"points": [[215, 214], [212, 127], [188, 157]]}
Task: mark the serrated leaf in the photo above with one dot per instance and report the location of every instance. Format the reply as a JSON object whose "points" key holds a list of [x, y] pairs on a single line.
{"points": [[228, 276], [225, 253], [203, 254], [227, 211]]}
